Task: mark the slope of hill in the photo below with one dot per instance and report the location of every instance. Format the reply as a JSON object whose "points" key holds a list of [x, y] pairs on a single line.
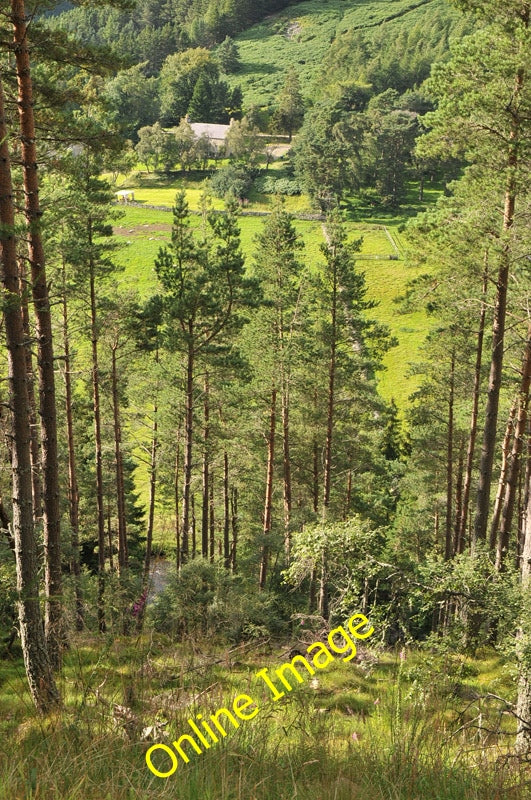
{"points": [[313, 36]]}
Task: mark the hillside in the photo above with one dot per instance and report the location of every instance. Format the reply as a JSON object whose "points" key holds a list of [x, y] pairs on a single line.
{"points": [[309, 34]]}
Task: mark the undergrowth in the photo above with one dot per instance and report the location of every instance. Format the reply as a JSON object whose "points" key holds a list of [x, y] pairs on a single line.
{"points": [[384, 728]]}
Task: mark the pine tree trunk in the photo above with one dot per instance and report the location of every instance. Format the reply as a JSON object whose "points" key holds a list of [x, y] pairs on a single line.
{"points": [[467, 485], [458, 498], [234, 524], [54, 628], [323, 591], [73, 488], [498, 330], [226, 512], [268, 506], [331, 398], [514, 463], [119, 470], [523, 704], [188, 451], [152, 494], [35, 448], [450, 464], [212, 521], [97, 437], [177, 493], [36, 661], [206, 456], [506, 446], [286, 462]]}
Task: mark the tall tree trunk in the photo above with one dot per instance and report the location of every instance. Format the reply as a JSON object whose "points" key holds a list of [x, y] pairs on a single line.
{"points": [[458, 498], [450, 463], [54, 628], [188, 450], [193, 549], [152, 493], [177, 492], [286, 462], [205, 516], [268, 506], [234, 524], [35, 448], [526, 490], [226, 512], [467, 485], [315, 476], [40, 678], [331, 398], [119, 469], [514, 465], [323, 592], [498, 330], [505, 451], [73, 487], [523, 704], [212, 521], [97, 436]]}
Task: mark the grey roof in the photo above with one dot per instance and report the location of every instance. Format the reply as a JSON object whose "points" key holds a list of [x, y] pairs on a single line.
{"points": [[210, 130]]}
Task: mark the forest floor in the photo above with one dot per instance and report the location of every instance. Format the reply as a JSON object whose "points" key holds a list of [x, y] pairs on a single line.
{"points": [[391, 725]]}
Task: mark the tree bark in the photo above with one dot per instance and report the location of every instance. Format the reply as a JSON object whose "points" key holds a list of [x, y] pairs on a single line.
{"points": [[35, 448], [119, 469], [523, 704], [188, 450], [226, 512], [152, 494], [36, 661], [505, 448], [206, 477], [514, 462], [450, 463], [212, 521], [331, 397], [97, 434], [73, 487], [234, 524], [177, 500], [268, 506], [54, 628], [467, 485], [286, 462], [498, 330]]}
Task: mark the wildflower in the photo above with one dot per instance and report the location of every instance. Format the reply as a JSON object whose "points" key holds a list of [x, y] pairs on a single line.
{"points": [[377, 701]]}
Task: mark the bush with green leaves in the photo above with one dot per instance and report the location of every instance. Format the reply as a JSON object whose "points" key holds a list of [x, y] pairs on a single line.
{"points": [[271, 185], [231, 181], [204, 599]]}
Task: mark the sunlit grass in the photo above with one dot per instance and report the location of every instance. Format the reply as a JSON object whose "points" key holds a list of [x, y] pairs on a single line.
{"points": [[378, 729]]}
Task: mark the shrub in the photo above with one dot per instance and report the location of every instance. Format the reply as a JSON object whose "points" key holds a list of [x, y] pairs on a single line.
{"points": [[231, 180], [271, 185], [204, 599]]}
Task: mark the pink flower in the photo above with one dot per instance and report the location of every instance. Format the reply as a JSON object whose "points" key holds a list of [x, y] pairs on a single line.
{"points": [[377, 701], [402, 655], [355, 737]]}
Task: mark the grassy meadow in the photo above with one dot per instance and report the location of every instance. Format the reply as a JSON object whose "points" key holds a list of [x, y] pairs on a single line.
{"points": [[387, 726]]}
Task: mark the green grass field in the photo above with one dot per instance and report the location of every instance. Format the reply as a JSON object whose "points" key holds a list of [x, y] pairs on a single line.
{"points": [[380, 728]]}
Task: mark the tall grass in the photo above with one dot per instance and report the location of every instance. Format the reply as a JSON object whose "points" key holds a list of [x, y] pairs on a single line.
{"points": [[394, 743]]}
